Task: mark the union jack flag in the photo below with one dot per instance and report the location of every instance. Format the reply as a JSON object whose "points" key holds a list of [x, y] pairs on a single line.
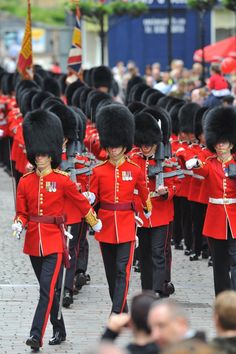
{"points": [[75, 54]]}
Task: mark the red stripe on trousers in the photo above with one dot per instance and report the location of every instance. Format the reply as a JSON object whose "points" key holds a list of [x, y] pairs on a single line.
{"points": [[52, 292], [128, 267]]}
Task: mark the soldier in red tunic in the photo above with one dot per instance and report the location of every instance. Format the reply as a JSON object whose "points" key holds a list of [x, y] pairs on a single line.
{"points": [[112, 185], [41, 199], [220, 173], [154, 238]]}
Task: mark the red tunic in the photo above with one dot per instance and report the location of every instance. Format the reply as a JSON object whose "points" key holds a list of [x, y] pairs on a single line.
{"points": [[162, 207], [45, 196], [113, 184], [220, 186]]}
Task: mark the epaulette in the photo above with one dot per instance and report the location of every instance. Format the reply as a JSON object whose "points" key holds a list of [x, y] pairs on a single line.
{"points": [[28, 173], [133, 163], [101, 163], [61, 172], [211, 157]]}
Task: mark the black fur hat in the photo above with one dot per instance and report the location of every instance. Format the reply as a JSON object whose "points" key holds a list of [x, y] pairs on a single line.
{"points": [[164, 101], [102, 76], [147, 130], [83, 98], [174, 115], [137, 91], [68, 120], [198, 126], [26, 99], [50, 101], [76, 96], [147, 93], [154, 97], [115, 125], [39, 98], [81, 123], [163, 118], [220, 126], [23, 85], [186, 117], [51, 85], [43, 134], [172, 102], [7, 83], [71, 89], [136, 107], [132, 82], [92, 102]]}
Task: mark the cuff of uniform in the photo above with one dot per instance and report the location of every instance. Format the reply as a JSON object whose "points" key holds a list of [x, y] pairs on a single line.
{"points": [[148, 206], [91, 218]]}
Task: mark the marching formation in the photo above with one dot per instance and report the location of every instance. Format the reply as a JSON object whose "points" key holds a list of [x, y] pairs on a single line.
{"points": [[142, 176]]}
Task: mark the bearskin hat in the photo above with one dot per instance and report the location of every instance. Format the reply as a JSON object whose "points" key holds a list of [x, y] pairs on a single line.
{"points": [[172, 102], [136, 107], [147, 130], [198, 126], [137, 91], [81, 123], [43, 134], [174, 115], [92, 102], [115, 125], [164, 101], [83, 98], [7, 83], [102, 76], [38, 79], [52, 85], [71, 89], [147, 93], [220, 126], [39, 98], [76, 96], [50, 101], [26, 99], [154, 97], [23, 85], [186, 117], [68, 120], [132, 82]]}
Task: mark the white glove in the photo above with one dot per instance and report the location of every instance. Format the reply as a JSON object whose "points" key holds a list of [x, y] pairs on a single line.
{"points": [[90, 196], [17, 229], [148, 214], [136, 241], [98, 226], [138, 221], [191, 163]]}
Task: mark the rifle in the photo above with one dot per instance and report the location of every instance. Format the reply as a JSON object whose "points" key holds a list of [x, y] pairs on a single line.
{"points": [[157, 170]]}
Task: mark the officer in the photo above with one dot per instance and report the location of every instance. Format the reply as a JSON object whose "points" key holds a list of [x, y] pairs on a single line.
{"points": [[41, 197], [112, 185], [220, 173]]}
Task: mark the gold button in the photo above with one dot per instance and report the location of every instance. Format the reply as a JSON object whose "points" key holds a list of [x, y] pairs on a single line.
{"points": [[41, 194], [41, 210], [41, 202], [40, 214]]}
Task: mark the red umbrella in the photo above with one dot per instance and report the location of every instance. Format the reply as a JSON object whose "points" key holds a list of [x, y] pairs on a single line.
{"points": [[217, 51]]}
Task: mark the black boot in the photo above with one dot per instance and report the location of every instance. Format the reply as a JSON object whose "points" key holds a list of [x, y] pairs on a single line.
{"points": [[57, 339], [34, 343], [68, 298]]}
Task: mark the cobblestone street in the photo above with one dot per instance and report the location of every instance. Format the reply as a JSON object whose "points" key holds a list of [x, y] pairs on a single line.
{"points": [[87, 317]]}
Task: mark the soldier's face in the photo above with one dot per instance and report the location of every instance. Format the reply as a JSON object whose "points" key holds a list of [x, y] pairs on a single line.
{"points": [[43, 161], [116, 153], [223, 147], [148, 150]]}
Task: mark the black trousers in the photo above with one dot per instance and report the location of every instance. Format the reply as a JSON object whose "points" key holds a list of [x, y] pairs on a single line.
{"points": [[177, 224], [117, 259], [82, 249], [186, 222], [70, 272], [198, 212], [46, 270], [224, 263], [155, 257]]}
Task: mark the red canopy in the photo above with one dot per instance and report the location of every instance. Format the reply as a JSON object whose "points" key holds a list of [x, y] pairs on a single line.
{"points": [[217, 51]]}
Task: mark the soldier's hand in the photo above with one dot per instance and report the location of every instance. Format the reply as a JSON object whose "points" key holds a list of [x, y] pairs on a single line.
{"points": [[162, 190], [147, 214], [97, 227], [192, 163], [90, 196], [17, 229], [117, 322]]}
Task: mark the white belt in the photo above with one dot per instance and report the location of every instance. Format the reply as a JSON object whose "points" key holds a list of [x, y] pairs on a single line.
{"points": [[222, 200], [187, 172], [198, 176]]}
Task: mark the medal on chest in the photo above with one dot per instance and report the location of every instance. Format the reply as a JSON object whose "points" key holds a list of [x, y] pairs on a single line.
{"points": [[127, 176], [51, 186]]}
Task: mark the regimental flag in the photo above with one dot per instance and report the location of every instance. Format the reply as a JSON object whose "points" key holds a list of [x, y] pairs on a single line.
{"points": [[75, 54], [25, 60]]}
